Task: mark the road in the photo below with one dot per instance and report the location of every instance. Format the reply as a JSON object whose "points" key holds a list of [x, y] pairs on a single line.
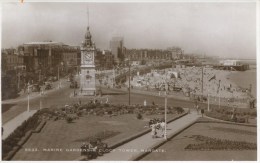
{"points": [[61, 97], [20, 104]]}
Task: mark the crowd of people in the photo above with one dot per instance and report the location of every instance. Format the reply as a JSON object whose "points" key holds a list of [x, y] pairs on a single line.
{"points": [[216, 83], [158, 127]]}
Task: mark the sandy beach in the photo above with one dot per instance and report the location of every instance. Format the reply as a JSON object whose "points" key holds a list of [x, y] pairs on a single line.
{"points": [[215, 82], [244, 79]]}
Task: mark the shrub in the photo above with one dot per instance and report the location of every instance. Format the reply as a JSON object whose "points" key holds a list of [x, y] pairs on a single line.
{"points": [[69, 119], [179, 110], [109, 112], [253, 113], [219, 116], [81, 108], [79, 113], [241, 120], [139, 116]]}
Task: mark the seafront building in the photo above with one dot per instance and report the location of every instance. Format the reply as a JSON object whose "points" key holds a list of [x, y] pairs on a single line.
{"points": [[233, 65]]}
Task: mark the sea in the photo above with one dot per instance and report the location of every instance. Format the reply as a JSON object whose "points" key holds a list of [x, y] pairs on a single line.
{"points": [[245, 78]]}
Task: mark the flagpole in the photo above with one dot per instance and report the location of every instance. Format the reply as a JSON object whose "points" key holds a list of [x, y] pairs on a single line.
{"points": [[214, 77], [114, 77], [208, 102], [202, 82], [28, 100], [219, 96], [165, 116]]}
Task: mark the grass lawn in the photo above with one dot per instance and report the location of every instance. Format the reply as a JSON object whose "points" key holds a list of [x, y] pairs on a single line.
{"points": [[62, 135], [174, 149]]}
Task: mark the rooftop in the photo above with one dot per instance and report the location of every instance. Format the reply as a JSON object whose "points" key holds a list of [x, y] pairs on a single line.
{"points": [[44, 43]]}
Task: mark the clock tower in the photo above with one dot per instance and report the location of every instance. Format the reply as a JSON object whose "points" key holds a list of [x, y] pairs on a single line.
{"points": [[87, 78]]}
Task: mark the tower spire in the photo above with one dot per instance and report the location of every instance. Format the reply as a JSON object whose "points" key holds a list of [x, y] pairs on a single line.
{"points": [[88, 16], [88, 40]]}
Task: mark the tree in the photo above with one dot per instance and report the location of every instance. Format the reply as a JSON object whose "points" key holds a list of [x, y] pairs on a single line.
{"points": [[4, 64]]}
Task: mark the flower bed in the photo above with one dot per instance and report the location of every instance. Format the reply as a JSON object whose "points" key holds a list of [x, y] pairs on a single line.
{"points": [[219, 144], [226, 115], [99, 109], [233, 130]]}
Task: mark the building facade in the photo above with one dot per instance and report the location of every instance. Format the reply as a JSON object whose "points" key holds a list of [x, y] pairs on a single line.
{"points": [[12, 60], [117, 49], [104, 60], [48, 56], [176, 53], [147, 54]]}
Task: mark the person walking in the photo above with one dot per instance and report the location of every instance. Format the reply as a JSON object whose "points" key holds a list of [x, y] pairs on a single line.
{"points": [[107, 100], [162, 127], [197, 108], [202, 112], [153, 131]]}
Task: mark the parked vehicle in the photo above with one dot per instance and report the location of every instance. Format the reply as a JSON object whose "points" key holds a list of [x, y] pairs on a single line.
{"points": [[48, 86], [52, 79], [36, 88], [73, 84]]}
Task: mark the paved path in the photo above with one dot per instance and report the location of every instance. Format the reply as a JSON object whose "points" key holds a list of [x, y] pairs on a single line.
{"points": [[11, 125], [146, 142]]}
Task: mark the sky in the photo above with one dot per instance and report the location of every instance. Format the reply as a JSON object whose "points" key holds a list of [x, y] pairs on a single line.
{"points": [[214, 29]]}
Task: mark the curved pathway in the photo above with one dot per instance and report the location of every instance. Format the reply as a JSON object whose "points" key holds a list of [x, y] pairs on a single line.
{"points": [[135, 148]]}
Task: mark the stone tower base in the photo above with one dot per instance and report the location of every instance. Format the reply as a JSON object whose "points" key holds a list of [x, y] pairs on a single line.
{"points": [[87, 92]]}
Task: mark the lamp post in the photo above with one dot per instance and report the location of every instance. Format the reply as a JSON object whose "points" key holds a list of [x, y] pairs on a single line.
{"points": [[59, 85], [219, 94], [40, 101], [208, 102], [165, 117], [17, 76], [202, 81], [40, 75], [28, 98], [18, 81], [114, 77], [129, 98], [59, 76]]}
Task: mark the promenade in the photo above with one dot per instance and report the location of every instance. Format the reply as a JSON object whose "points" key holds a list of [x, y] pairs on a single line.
{"points": [[137, 147]]}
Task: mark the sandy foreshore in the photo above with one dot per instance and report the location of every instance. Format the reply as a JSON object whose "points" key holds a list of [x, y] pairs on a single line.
{"points": [[216, 83]]}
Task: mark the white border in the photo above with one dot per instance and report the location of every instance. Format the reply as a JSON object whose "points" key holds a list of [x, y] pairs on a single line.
{"points": [[157, 1]]}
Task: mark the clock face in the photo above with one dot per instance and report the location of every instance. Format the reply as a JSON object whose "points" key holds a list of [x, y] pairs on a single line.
{"points": [[87, 58]]}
